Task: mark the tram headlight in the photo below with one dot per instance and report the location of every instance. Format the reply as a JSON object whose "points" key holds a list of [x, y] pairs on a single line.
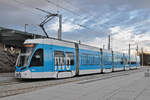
{"points": [[18, 75]]}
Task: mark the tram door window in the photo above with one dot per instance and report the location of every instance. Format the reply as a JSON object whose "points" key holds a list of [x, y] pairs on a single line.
{"points": [[125, 61], [37, 58], [122, 61], [69, 60], [59, 60]]}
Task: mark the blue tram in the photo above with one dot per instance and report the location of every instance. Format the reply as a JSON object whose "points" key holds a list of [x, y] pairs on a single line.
{"points": [[52, 58]]}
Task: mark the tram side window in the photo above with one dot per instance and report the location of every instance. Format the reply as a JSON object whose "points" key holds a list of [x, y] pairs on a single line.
{"points": [[59, 58], [115, 59], [107, 60], [37, 59], [88, 59], [133, 62]]}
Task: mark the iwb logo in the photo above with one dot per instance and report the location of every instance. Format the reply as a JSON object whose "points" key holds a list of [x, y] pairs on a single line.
{"points": [[68, 60], [60, 63]]}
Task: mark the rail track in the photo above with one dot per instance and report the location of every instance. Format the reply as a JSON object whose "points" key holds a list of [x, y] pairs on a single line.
{"points": [[23, 86], [8, 83]]}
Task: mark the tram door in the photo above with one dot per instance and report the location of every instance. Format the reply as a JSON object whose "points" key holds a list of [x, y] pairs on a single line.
{"points": [[59, 61], [63, 60], [69, 61]]}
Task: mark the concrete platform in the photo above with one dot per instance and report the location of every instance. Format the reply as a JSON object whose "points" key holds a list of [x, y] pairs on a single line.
{"points": [[134, 86]]}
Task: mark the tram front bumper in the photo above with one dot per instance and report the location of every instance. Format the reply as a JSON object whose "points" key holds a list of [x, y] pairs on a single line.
{"points": [[24, 75]]}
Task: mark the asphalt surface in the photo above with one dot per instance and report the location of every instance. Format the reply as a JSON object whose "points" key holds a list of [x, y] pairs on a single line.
{"points": [[6, 77], [135, 86]]}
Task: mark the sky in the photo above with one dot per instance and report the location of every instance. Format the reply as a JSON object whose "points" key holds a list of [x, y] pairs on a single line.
{"points": [[90, 21]]}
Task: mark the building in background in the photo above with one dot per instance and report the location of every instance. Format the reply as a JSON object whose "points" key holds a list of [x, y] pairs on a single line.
{"points": [[12, 40], [146, 59], [11, 43]]}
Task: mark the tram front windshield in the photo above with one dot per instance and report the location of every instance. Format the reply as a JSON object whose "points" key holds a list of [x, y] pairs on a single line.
{"points": [[23, 58]]}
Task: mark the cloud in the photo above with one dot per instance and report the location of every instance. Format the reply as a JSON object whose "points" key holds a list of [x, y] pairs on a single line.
{"points": [[66, 27], [126, 20], [121, 34], [120, 39]]}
